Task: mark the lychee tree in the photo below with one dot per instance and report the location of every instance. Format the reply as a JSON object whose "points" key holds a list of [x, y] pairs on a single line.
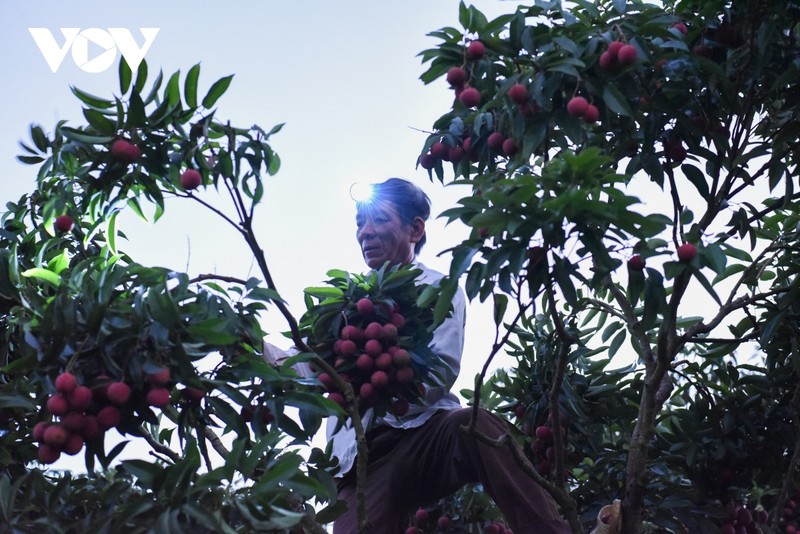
{"points": [[96, 345], [633, 174]]}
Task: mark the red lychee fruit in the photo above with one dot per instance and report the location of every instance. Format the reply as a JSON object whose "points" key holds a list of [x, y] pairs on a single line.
{"points": [[365, 363], [510, 147], [614, 47], [519, 410], [607, 60], [48, 454], [118, 392], [627, 54], [544, 432], [495, 141], [158, 397], [327, 381], [456, 76], [591, 115], [577, 106], [675, 151], [455, 154], [384, 361], [73, 421], [379, 379], [439, 150], [366, 392], [404, 375], [63, 223], [681, 27], [374, 330], [125, 151], [400, 407], [389, 332], [347, 348], [337, 397], [80, 398], [194, 395], [57, 404], [427, 161], [352, 332], [401, 357], [518, 94], [398, 320], [73, 445], [476, 50], [470, 97], [91, 428], [636, 263], [159, 378], [66, 382], [421, 515], [38, 430], [443, 522], [190, 179], [55, 435], [108, 417], [373, 347], [687, 252]]}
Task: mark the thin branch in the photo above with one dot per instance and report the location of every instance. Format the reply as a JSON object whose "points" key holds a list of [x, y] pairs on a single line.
{"points": [[495, 349], [204, 277], [215, 442], [158, 446], [634, 326]]}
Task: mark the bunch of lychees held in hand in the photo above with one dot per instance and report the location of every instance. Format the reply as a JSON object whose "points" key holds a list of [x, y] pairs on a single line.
{"points": [[374, 333]]}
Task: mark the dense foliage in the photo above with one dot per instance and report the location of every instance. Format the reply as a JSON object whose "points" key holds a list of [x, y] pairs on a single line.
{"points": [[634, 184], [634, 176]]}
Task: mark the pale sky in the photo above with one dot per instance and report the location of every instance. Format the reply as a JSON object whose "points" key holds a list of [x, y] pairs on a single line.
{"points": [[343, 76]]}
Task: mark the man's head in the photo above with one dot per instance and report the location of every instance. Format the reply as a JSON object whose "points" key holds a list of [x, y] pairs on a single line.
{"points": [[391, 224]]}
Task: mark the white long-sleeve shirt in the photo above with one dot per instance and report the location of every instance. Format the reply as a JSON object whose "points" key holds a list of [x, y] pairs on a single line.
{"points": [[448, 344]]}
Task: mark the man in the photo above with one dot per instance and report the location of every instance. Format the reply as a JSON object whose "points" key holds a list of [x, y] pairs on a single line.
{"points": [[424, 455]]}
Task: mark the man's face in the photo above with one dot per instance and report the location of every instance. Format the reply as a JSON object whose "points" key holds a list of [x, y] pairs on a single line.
{"points": [[383, 236]]}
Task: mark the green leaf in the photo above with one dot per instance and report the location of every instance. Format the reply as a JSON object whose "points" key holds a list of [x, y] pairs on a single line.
{"points": [[100, 122], [172, 92], [94, 101], [125, 76], [39, 139], [615, 100], [81, 137], [216, 91], [697, 178], [43, 274], [190, 86]]}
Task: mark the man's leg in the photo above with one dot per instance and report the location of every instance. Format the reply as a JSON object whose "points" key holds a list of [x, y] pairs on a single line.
{"points": [[447, 458]]}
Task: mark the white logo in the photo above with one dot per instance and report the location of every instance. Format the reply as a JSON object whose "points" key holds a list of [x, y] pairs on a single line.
{"points": [[78, 41]]}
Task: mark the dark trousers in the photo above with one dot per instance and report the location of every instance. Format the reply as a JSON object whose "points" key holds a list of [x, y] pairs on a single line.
{"points": [[411, 468]]}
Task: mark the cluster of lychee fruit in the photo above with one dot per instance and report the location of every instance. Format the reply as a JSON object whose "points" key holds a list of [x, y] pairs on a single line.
{"points": [[542, 447], [76, 413], [578, 106], [125, 152], [424, 520], [618, 54], [369, 355], [457, 77], [791, 514], [743, 520]]}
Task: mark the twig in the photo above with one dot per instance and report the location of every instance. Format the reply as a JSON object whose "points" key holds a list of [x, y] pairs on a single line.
{"points": [[158, 446]]}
